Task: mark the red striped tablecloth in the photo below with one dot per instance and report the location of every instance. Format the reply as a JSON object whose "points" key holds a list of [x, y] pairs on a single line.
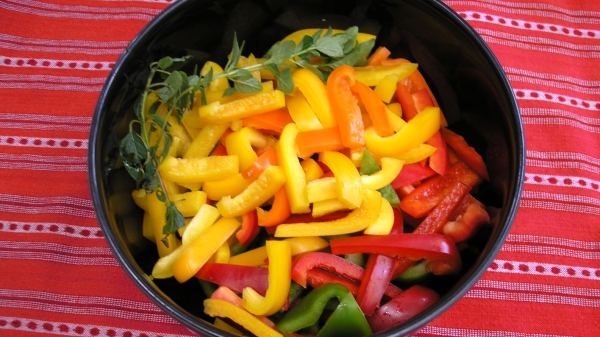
{"points": [[58, 277]]}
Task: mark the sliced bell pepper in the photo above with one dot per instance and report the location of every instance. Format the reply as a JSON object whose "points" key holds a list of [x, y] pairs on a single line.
{"points": [[415, 132], [372, 75], [267, 158], [218, 83], [219, 150], [407, 102], [417, 154], [298, 35], [157, 211], [301, 112], [345, 106], [295, 184], [464, 225], [357, 220], [309, 310], [378, 273], [274, 120], [206, 140], [226, 294], [222, 254], [402, 308], [240, 143], [466, 152], [439, 216], [375, 108], [278, 213], [298, 245], [440, 250], [334, 265], [201, 249], [189, 203], [317, 277], [312, 169], [256, 194], [231, 186], [235, 277], [315, 141], [280, 261], [195, 170], [244, 107], [438, 160], [349, 185], [385, 222], [412, 173], [315, 92], [428, 194], [249, 229], [386, 88], [214, 307], [380, 54], [324, 207]]}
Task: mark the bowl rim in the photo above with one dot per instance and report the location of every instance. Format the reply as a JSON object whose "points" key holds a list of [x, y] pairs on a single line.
{"points": [[197, 325]]}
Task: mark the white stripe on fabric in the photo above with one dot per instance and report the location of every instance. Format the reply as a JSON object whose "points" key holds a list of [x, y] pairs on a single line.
{"points": [[29, 325], [545, 96], [557, 241], [430, 330], [43, 63], [85, 47], [540, 287], [12, 161], [535, 9], [589, 87], [51, 82], [562, 181], [79, 12], [538, 116], [41, 142], [563, 160], [66, 205], [533, 26]]}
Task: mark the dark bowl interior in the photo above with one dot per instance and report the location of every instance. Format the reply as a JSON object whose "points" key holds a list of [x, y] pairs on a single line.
{"points": [[463, 73]]}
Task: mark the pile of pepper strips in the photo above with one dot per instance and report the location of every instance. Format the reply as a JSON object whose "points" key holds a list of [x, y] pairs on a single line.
{"points": [[322, 173]]}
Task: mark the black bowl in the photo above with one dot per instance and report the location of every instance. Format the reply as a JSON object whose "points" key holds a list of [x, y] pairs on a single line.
{"points": [[466, 78]]}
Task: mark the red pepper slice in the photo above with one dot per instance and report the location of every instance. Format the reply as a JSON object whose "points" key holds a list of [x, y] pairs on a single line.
{"points": [[235, 277], [398, 227], [422, 99], [466, 152], [466, 219], [438, 249], [402, 308], [334, 265], [435, 221], [345, 106], [249, 228], [219, 150], [406, 101], [378, 273], [267, 158], [430, 193], [412, 173], [438, 161]]}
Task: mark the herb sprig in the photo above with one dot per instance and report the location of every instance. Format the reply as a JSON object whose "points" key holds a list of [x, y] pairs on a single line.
{"points": [[148, 141]]}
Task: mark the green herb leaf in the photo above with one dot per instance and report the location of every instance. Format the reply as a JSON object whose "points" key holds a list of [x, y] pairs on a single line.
{"points": [[246, 83], [133, 149], [151, 178], [281, 52], [165, 62], [236, 53], [329, 47], [284, 81], [174, 81], [174, 220], [165, 93], [229, 91], [193, 80], [304, 44], [351, 33], [207, 78]]}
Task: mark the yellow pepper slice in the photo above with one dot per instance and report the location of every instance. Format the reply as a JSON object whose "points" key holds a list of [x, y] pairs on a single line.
{"points": [[201, 249], [232, 186], [218, 83], [221, 324], [218, 95], [299, 34], [302, 113], [295, 185], [416, 154], [315, 92], [372, 75], [386, 88], [256, 194], [157, 211], [139, 197], [280, 270], [248, 61], [396, 121], [240, 143], [321, 189], [189, 203], [256, 257], [206, 140], [323, 207], [206, 216], [418, 130], [244, 107], [390, 168], [311, 169], [355, 221], [349, 185], [194, 170], [222, 254], [178, 131], [384, 223], [219, 308], [396, 108]]}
